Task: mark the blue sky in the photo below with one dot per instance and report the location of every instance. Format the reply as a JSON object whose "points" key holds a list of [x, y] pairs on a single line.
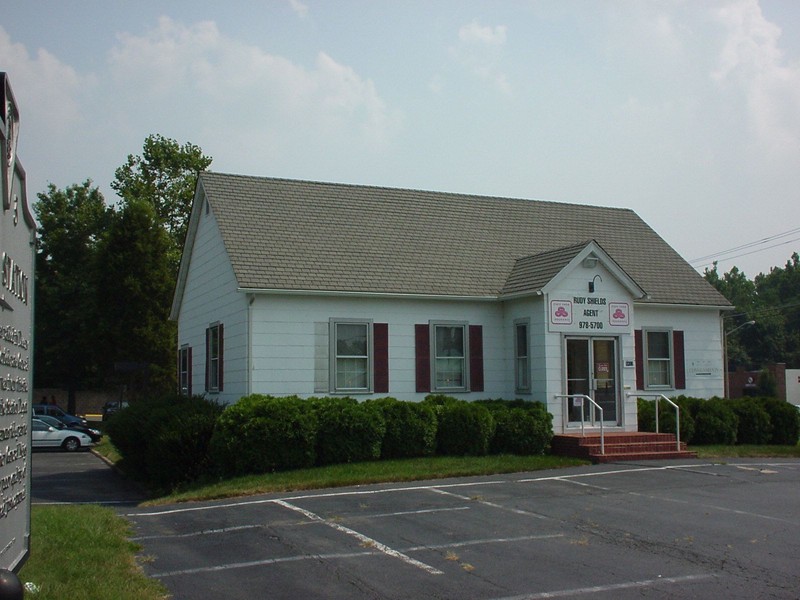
{"points": [[687, 112]]}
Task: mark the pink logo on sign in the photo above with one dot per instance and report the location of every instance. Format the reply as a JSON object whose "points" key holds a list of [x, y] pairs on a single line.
{"points": [[561, 312], [618, 313]]}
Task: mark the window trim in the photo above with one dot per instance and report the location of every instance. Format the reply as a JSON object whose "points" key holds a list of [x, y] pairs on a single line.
{"points": [[670, 360], [464, 325], [334, 357], [518, 360]]}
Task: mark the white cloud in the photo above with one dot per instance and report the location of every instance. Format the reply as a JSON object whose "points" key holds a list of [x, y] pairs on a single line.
{"points": [[751, 59], [479, 50], [476, 33], [176, 68], [299, 8], [44, 87]]}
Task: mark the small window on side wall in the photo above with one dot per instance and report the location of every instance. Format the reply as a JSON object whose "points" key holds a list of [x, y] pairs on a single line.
{"points": [[185, 371], [450, 351], [351, 356], [522, 366], [658, 358], [214, 357]]}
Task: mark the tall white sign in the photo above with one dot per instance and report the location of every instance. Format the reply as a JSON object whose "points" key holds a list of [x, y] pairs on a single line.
{"points": [[17, 251]]}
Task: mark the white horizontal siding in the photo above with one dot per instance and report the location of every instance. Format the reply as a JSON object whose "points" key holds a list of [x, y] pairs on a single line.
{"points": [[210, 296]]}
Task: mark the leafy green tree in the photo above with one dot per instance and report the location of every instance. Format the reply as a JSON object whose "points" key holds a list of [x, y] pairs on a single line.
{"points": [[70, 223], [165, 176], [772, 300], [780, 293], [135, 284]]}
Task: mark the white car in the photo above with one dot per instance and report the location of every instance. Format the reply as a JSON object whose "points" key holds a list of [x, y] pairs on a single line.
{"points": [[45, 436]]}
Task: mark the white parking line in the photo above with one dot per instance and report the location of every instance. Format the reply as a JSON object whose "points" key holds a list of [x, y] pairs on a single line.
{"points": [[598, 589], [517, 511], [367, 541]]}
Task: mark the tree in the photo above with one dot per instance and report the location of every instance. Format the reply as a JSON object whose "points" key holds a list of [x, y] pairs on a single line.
{"points": [[165, 176], [771, 300], [134, 295], [65, 310]]}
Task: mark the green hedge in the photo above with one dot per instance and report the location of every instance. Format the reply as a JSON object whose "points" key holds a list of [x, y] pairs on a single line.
{"points": [[522, 427], [347, 431], [410, 428], [750, 420], [262, 434], [165, 441], [173, 440]]}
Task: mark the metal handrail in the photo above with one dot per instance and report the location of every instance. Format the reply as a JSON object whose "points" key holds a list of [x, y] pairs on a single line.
{"points": [[677, 408], [565, 408]]}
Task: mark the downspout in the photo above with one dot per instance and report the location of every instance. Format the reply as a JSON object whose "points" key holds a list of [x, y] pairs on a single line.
{"points": [[250, 300]]}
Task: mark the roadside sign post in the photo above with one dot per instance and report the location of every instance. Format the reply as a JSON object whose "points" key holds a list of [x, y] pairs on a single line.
{"points": [[17, 254]]}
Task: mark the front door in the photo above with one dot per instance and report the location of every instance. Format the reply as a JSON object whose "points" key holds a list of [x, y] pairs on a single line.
{"points": [[592, 371]]}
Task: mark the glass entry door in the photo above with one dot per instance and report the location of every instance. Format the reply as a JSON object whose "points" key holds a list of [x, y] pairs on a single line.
{"points": [[592, 371]]}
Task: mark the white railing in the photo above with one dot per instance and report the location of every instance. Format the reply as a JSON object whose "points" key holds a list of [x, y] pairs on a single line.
{"points": [[582, 397], [677, 408]]}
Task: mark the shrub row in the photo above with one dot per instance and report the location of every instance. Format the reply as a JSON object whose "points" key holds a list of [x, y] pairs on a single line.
{"points": [[177, 440], [165, 441], [726, 421]]}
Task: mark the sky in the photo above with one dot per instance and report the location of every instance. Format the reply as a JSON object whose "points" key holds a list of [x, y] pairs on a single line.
{"points": [[685, 111]]}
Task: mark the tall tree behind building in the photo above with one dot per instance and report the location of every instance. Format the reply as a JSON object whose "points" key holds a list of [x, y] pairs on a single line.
{"points": [[70, 225], [165, 175]]}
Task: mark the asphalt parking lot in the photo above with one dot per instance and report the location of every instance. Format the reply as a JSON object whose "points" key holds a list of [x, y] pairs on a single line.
{"points": [[656, 530]]}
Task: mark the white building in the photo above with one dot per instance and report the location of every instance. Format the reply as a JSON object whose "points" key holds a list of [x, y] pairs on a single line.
{"points": [[294, 287]]}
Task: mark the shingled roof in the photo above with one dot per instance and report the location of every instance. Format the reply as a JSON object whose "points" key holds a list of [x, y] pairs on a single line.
{"points": [[307, 236]]}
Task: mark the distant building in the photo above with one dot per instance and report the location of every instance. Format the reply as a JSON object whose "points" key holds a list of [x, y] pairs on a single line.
{"points": [[296, 287]]}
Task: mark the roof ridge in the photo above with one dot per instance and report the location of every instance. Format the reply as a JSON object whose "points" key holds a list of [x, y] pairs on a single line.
{"points": [[359, 186]]}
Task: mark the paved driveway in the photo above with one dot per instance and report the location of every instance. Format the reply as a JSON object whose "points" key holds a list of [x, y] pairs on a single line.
{"points": [[81, 477], [655, 530]]}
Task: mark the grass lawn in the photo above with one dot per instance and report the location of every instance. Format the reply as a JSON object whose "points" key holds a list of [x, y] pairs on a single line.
{"points": [[84, 552], [746, 451]]}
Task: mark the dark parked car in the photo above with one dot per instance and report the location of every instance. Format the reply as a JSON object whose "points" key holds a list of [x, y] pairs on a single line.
{"points": [[109, 408], [95, 434], [51, 410]]}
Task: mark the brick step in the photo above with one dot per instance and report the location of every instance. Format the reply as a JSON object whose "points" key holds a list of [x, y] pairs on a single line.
{"points": [[620, 446], [615, 448]]}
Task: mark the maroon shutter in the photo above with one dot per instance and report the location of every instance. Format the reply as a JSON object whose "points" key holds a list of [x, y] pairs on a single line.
{"points": [[380, 361], [208, 359], [422, 353], [189, 377], [220, 361], [639, 357], [678, 360], [476, 358]]}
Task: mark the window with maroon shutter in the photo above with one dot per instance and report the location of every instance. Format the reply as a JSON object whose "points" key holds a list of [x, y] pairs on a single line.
{"points": [[185, 371], [380, 336], [422, 354], [214, 358], [660, 352], [449, 357], [679, 360], [476, 358]]}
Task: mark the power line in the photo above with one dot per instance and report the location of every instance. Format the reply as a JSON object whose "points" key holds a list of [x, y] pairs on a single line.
{"points": [[753, 244]]}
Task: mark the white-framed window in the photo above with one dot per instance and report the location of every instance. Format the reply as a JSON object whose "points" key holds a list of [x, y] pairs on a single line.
{"points": [[658, 358], [522, 365], [185, 370], [214, 361], [351, 355], [449, 365]]}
